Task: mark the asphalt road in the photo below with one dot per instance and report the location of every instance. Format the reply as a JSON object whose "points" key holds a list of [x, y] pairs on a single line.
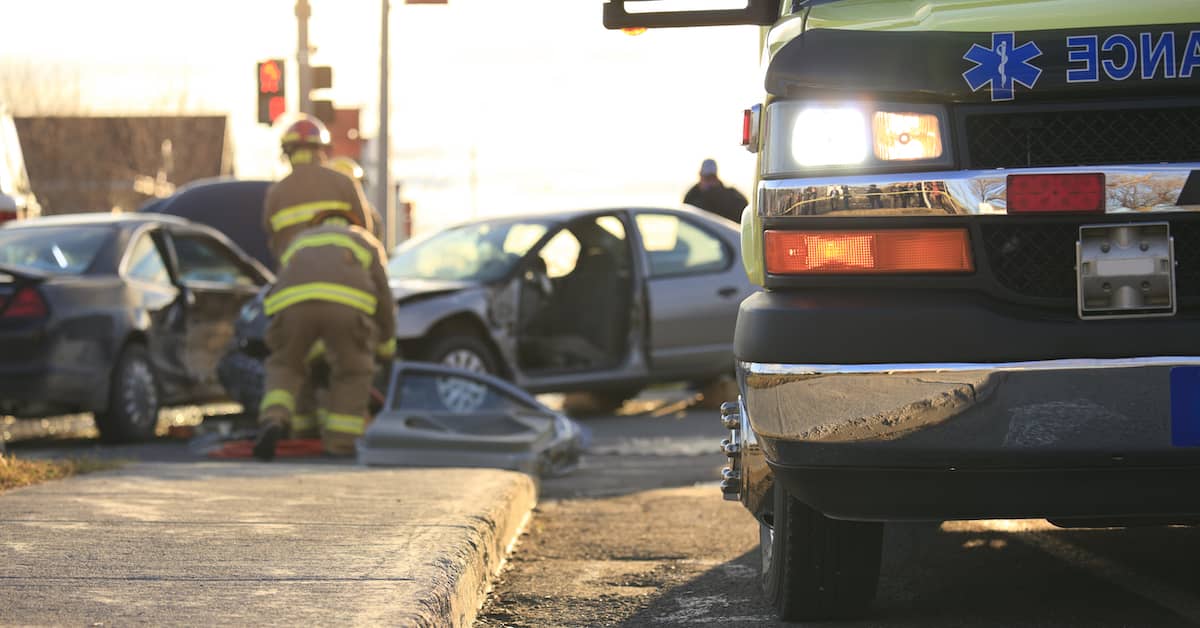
{"points": [[640, 536]]}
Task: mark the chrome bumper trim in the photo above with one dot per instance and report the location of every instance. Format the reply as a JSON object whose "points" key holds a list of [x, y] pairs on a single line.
{"points": [[1103, 406], [805, 370], [1140, 188]]}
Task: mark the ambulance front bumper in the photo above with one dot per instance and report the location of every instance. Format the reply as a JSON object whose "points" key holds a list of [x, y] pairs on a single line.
{"points": [[1068, 438], [1141, 188]]}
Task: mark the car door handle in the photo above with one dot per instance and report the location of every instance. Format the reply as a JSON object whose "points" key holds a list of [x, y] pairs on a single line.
{"points": [[727, 292]]}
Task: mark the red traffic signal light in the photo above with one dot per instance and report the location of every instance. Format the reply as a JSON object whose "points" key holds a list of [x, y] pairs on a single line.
{"points": [[272, 95]]}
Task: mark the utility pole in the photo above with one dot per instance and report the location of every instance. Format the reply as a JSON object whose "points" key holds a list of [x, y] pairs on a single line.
{"points": [[383, 180], [302, 13]]}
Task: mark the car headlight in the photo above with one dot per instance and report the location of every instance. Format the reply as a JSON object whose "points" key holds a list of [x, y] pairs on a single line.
{"points": [[806, 136]]}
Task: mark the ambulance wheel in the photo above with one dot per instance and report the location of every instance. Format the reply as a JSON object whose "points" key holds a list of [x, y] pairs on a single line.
{"points": [[817, 568]]}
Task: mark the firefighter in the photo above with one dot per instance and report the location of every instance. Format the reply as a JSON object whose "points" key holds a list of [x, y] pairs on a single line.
{"points": [[350, 168], [331, 295], [311, 188]]}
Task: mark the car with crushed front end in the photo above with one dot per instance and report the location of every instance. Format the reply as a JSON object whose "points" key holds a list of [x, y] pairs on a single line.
{"points": [[977, 227], [606, 301], [119, 315]]}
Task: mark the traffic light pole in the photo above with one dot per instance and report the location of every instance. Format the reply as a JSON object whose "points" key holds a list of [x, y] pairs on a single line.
{"points": [[302, 13], [383, 180]]}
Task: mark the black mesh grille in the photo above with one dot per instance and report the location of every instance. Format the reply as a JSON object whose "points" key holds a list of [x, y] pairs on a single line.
{"points": [[1038, 259], [1071, 138], [1033, 260]]}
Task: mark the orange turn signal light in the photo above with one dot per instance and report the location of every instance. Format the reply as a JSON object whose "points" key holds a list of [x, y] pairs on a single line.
{"points": [[868, 252]]}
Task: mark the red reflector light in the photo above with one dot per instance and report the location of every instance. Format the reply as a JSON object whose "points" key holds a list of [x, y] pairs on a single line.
{"points": [[867, 252], [26, 303], [1033, 193], [747, 125]]}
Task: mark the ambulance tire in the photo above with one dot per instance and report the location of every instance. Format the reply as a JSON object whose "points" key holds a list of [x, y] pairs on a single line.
{"points": [[816, 568]]}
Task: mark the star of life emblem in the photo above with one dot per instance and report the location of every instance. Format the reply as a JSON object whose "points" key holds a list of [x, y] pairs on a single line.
{"points": [[1003, 66]]}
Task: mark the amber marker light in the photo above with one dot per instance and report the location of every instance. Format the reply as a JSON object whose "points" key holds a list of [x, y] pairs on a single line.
{"points": [[868, 252], [633, 30], [906, 136]]}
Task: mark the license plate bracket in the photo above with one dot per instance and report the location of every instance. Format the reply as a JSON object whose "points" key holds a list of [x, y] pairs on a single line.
{"points": [[1125, 270]]}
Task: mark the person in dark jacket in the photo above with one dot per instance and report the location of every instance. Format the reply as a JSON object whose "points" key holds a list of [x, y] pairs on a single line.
{"points": [[710, 194]]}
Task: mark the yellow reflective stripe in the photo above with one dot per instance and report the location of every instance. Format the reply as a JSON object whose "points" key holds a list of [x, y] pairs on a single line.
{"points": [[298, 156], [328, 239], [317, 350], [278, 397], [301, 422], [320, 291], [387, 348], [345, 423], [304, 212]]}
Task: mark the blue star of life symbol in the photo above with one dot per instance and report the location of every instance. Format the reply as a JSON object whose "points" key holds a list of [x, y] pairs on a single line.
{"points": [[1003, 66]]}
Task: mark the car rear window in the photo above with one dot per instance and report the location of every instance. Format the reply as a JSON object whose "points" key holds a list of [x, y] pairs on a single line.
{"points": [[63, 250]]}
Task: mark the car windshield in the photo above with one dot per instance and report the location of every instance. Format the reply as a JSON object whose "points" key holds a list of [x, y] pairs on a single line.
{"points": [[64, 250], [484, 251]]}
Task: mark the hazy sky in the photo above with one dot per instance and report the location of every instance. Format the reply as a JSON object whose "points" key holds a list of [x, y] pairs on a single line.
{"points": [[556, 110]]}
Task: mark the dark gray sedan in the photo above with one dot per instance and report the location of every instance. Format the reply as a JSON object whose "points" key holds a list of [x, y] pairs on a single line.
{"points": [[116, 315]]}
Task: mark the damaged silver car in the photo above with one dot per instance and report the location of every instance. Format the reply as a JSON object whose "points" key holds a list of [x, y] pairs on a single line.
{"points": [[605, 301]]}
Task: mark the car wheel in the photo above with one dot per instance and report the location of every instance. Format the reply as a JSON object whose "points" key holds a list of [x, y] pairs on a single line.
{"points": [[133, 401], [469, 353], [814, 567]]}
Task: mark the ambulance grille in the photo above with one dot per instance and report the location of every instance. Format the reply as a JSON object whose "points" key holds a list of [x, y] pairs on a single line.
{"points": [[1037, 260], [1082, 137]]}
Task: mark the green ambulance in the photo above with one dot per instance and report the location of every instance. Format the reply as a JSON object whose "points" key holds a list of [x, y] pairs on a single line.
{"points": [[976, 228]]}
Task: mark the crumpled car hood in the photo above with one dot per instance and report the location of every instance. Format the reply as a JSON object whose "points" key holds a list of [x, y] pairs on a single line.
{"points": [[408, 289]]}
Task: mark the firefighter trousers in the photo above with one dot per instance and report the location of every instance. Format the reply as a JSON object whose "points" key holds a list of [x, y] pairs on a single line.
{"points": [[349, 338]]}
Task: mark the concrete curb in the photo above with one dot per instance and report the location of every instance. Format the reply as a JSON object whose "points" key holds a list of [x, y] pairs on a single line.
{"points": [[461, 575], [279, 544]]}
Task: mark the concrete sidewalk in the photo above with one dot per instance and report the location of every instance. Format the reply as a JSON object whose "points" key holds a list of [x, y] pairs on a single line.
{"points": [[233, 543]]}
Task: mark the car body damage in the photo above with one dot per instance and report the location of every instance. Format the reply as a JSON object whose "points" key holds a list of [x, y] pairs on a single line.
{"points": [[607, 301]]}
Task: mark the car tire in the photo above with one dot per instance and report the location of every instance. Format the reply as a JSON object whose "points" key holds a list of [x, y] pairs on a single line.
{"points": [[470, 353], [816, 568], [133, 399], [462, 351]]}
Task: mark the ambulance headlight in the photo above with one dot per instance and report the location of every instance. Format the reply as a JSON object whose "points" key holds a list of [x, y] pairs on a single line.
{"points": [[827, 136], [803, 137]]}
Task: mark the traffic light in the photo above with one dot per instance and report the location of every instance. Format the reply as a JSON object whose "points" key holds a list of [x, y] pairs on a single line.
{"points": [[272, 96], [321, 77]]}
